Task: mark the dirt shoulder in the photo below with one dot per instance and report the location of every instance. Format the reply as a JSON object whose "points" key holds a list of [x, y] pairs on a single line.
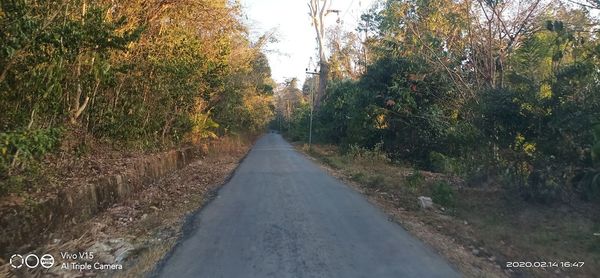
{"points": [[482, 230], [138, 232]]}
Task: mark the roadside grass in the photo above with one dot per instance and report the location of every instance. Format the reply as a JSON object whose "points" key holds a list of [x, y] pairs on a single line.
{"points": [[522, 231], [489, 222]]}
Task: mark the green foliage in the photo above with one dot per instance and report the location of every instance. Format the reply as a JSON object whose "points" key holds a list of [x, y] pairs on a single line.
{"points": [[52, 53], [358, 177], [374, 155], [299, 123], [541, 185], [389, 105], [588, 180], [336, 163], [336, 120], [443, 194], [415, 181], [71, 60], [20, 147], [518, 110], [441, 163], [371, 181], [120, 71]]}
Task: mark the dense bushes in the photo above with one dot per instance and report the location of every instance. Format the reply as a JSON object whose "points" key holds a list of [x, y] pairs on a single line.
{"points": [[390, 105], [443, 194], [146, 73], [441, 90]]}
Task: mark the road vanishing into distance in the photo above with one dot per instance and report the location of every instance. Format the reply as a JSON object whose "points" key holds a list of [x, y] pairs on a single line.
{"points": [[281, 215]]}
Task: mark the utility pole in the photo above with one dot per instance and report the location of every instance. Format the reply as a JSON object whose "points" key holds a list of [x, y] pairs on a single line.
{"points": [[312, 104], [289, 112]]}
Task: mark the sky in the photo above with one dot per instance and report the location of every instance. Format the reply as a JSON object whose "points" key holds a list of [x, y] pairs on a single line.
{"points": [[290, 56]]}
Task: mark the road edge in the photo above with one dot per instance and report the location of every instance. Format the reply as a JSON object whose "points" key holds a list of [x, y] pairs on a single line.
{"points": [[188, 225]]}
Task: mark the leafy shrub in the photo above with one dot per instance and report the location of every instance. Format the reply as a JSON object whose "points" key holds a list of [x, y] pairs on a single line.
{"points": [[371, 181], [443, 194], [542, 186], [371, 155], [375, 181], [23, 146], [441, 163], [357, 177], [355, 151], [415, 181], [333, 162]]}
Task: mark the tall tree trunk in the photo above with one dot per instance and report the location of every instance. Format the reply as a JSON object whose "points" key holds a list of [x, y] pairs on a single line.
{"points": [[323, 77], [318, 11]]}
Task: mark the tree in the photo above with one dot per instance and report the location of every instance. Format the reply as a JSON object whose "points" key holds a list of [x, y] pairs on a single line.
{"points": [[318, 9], [346, 53], [288, 98], [143, 73], [505, 90]]}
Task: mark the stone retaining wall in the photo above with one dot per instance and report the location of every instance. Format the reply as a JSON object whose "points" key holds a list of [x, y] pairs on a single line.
{"points": [[33, 224]]}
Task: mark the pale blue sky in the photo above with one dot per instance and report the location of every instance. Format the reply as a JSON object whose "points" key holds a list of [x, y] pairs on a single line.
{"points": [[290, 56]]}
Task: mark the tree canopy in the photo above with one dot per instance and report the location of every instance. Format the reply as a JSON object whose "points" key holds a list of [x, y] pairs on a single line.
{"points": [[504, 90], [144, 72]]}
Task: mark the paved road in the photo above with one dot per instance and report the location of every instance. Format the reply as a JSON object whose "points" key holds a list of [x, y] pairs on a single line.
{"points": [[282, 216]]}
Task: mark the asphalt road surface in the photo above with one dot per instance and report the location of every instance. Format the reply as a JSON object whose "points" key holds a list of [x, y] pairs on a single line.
{"points": [[281, 215]]}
